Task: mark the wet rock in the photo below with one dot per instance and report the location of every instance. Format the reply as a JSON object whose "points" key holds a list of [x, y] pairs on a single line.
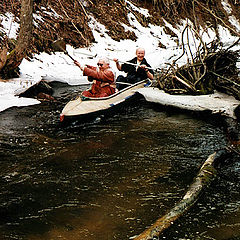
{"points": [[39, 90], [45, 97]]}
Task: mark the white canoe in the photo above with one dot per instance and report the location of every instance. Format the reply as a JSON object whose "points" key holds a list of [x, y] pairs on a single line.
{"points": [[81, 106]]}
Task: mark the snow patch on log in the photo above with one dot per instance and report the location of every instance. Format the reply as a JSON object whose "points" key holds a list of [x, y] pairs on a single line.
{"points": [[216, 103]]}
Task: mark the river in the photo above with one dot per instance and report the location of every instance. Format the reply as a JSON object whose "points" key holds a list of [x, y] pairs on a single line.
{"points": [[111, 177]]}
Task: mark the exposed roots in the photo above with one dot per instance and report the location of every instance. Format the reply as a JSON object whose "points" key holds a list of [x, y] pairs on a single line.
{"points": [[208, 68]]}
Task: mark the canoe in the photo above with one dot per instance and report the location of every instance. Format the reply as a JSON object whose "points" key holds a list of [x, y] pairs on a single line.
{"points": [[82, 106]]}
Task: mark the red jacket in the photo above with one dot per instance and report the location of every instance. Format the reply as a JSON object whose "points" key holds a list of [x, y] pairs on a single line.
{"points": [[106, 77]]}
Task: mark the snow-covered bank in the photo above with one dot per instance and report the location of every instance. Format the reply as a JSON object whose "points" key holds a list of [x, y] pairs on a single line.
{"points": [[59, 67], [9, 100], [9, 91]]}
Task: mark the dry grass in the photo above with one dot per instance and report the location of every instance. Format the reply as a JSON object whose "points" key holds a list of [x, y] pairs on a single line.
{"points": [[203, 13], [169, 2]]}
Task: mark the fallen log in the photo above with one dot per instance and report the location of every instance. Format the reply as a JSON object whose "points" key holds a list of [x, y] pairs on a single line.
{"points": [[216, 103], [206, 175]]}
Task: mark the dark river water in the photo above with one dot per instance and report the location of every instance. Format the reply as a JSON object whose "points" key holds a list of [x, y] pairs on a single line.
{"points": [[111, 177]]}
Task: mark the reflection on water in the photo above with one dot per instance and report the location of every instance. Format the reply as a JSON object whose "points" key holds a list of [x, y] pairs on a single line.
{"points": [[111, 178]]}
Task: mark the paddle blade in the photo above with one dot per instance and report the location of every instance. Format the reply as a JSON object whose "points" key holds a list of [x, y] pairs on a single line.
{"points": [[59, 46]]}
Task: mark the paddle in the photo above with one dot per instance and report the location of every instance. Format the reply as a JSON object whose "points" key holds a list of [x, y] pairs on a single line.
{"points": [[60, 46], [133, 64]]}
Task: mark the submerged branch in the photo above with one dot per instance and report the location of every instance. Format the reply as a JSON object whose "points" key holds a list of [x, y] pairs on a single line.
{"points": [[206, 175]]}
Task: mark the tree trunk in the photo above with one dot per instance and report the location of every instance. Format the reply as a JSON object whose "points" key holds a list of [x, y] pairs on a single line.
{"points": [[3, 57], [16, 56]]}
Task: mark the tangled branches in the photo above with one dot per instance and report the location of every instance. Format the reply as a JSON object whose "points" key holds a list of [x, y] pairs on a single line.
{"points": [[209, 67]]}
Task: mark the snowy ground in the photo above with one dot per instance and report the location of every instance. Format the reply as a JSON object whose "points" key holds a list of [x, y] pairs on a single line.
{"points": [[59, 66]]}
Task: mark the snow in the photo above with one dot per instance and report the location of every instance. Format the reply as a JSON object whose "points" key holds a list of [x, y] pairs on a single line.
{"points": [[140, 10], [216, 103], [9, 26], [9, 90], [227, 6], [59, 67]]}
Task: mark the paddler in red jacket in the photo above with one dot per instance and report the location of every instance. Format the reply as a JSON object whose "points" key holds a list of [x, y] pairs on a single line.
{"points": [[102, 76]]}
